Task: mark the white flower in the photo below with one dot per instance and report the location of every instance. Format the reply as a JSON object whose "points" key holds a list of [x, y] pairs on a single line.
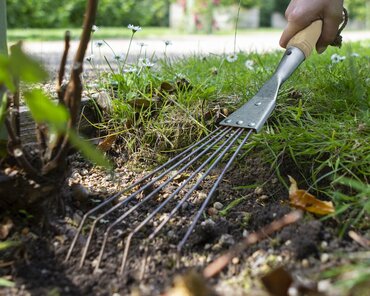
{"points": [[130, 70], [355, 54], [180, 76], [145, 62], [336, 58], [94, 28], [249, 64], [142, 44], [167, 42], [134, 28], [118, 57], [89, 58], [99, 43], [231, 58]]}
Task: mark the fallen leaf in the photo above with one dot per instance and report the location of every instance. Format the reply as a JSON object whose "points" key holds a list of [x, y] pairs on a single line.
{"points": [[107, 143], [190, 284], [301, 199], [5, 227], [277, 282]]}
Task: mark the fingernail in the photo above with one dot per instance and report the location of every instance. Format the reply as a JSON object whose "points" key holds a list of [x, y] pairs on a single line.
{"points": [[321, 49]]}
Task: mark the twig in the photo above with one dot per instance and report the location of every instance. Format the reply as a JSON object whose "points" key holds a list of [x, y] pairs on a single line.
{"points": [[73, 93], [62, 67], [221, 262], [359, 239], [15, 147]]}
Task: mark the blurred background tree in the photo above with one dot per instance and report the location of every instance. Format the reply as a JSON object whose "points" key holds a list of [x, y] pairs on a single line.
{"points": [[66, 13]]}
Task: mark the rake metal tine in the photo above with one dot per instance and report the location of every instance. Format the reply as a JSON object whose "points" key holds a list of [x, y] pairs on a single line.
{"points": [[195, 186], [168, 199], [215, 185], [110, 199], [153, 193]]}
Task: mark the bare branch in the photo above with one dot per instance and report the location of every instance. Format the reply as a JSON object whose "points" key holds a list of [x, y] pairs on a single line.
{"points": [[62, 67], [73, 93]]}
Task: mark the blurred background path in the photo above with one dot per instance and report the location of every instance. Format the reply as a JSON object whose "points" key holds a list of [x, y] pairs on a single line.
{"points": [[50, 52]]}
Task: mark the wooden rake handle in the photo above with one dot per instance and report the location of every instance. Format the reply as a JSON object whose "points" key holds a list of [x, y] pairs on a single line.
{"points": [[306, 39]]}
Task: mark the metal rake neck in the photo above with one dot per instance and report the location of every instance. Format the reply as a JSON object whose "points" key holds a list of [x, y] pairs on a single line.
{"points": [[257, 110]]}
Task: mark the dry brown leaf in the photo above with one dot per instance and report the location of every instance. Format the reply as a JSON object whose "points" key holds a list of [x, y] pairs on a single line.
{"points": [[190, 284], [107, 143], [301, 199], [5, 227], [277, 282]]}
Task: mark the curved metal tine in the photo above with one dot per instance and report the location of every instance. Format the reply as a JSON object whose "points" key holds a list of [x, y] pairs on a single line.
{"points": [[153, 193], [168, 199], [147, 176], [214, 187], [190, 192], [145, 261]]}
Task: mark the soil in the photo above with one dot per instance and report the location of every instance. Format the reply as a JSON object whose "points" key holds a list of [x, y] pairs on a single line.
{"points": [[38, 265]]}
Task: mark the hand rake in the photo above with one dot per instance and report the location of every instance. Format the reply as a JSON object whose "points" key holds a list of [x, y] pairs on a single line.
{"points": [[210, 151]]}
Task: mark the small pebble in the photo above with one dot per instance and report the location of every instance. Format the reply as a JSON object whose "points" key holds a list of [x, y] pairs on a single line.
{"points": [[212, 212], [293, 291], [305, 263], [324, 245], [258, 190], [324, 286], [245, 233], [184, 206], [263, 197], [324, 257], [218, 206], [235, 260]]}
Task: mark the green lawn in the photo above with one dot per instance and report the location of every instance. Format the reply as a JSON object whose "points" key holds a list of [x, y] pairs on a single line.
{"points": [[106, 33]]}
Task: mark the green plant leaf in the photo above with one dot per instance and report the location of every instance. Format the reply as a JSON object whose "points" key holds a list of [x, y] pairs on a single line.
{"points": [[88, 150], [8, 244], [24, 67], [6, 283], [44, 110], [5, 74]]}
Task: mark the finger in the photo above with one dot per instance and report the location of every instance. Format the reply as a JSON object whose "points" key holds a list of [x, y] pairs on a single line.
{"points": [[328, 34], [291, 29]]}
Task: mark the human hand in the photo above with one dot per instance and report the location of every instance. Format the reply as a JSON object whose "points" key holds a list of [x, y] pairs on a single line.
{"points": [[301, 13]]}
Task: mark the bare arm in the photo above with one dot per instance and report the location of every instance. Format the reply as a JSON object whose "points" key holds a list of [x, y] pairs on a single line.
{"points": [[301, 13]]}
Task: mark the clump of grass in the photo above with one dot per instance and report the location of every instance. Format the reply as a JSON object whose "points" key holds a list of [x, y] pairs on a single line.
{"points": [[319, 130]]}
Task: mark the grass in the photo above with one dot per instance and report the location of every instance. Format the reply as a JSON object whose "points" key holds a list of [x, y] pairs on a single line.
{"points": [[318, 133], [43, 34]]}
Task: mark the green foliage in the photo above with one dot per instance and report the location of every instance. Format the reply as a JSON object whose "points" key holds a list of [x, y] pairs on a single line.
{"points": [[318, 132], [19, 66], [356, 205], [68, 13], [356, 8]]}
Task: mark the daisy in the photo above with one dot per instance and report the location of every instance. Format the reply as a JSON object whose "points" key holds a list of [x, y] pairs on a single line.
{"points": [[145, 63], [336, 58], [94, 28], [167, 42], [130, 70], [232, 58], [89, 58], [249, 64], [355, 54], [134, 28], [99, 43]]}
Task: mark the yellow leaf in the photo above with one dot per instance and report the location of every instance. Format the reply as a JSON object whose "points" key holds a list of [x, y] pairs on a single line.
{"points": [[303, 200]]}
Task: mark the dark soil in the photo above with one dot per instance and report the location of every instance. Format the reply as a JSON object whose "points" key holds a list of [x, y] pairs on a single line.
{"points": [[38, 268]]}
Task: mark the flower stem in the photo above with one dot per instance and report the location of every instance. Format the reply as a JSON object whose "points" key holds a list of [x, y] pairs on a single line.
{"points": [[128, 50]]}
